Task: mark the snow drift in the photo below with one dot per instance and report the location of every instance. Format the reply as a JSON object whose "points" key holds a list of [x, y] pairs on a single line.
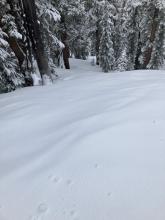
{"points": [[90, 147]]}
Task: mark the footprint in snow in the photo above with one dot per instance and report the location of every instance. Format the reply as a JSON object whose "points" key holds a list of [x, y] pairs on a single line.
{"points": [[109, 194], [34, 218], [72, 212], [42, 208], [96, 166], [69, 182], [54, 179]]}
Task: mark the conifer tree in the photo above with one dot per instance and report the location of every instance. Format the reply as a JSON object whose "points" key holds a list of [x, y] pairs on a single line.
{"points": [[157, 56], [10, 76], [107, 55]]}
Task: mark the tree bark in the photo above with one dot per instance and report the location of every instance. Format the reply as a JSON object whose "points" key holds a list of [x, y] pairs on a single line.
{"points": [[66, 51], [17, 50], [35, 37], [148, 52], [97, 46]]}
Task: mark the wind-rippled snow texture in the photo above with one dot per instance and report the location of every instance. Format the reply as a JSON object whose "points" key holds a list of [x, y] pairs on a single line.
{"points": [[90, 147]]}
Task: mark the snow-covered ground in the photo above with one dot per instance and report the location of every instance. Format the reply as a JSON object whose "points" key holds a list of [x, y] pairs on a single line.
{"points": [[90, 147]]}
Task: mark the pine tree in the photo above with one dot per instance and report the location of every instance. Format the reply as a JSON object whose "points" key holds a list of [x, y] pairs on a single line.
{"points": [[141, 39], [10, 77], [96, 12], [107, 55], [30, 33], [129, 36], [49, 18], [73, 29], [157, 56], [151, 35]]}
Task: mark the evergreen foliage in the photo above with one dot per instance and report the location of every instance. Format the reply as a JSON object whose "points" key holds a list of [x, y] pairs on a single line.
{"points": [[37, 34], [107, 55]]}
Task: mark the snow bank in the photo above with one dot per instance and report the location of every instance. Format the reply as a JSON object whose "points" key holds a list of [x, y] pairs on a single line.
{"points": [[90, 147]]}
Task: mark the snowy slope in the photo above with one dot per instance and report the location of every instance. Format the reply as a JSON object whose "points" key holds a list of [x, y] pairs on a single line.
{"points": [[90, 147]]}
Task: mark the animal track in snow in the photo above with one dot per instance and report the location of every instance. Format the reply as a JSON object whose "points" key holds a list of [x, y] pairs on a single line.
{"points": [[34, 218], [42, 208], [154, 121], [54, 179], [69, 182], [72, 213], [109, 194], [96, 166]]}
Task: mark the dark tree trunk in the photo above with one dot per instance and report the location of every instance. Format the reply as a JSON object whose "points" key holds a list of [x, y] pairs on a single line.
{"points": [[97, 45], [27, 48], [137, 62], [66, 51], [35, 36], [77, 54], [148, 52], [13, 42], [17, 50]]}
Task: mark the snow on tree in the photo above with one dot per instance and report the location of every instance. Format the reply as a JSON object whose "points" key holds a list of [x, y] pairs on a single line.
{"points": [[157, 55], [140, 26], [106, 52], [49, 17], [10, 77], [96, 13], [122, 34], [73, 29]]}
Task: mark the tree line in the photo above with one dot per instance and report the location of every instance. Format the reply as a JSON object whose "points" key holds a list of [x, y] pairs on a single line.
{"points": [[39, 35]]}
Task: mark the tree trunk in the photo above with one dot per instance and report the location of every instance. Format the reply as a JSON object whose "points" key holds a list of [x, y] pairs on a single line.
{"points": [[35, 37], [137, 64], [97, 45], [17, 50], [148, 52], [66, 51]]}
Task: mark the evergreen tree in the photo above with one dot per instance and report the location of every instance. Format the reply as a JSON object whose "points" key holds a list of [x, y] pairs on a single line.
{"points": [[107, 55], [49, 18], [10, 77], [96, 12], [29, 30], [73, 29], [157, 56]]}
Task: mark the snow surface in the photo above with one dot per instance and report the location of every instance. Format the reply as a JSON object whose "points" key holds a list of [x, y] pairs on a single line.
{"points": [[90, 147]]}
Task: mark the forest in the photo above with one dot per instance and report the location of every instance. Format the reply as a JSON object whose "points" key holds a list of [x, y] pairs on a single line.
{"points": [[40, 35]]}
